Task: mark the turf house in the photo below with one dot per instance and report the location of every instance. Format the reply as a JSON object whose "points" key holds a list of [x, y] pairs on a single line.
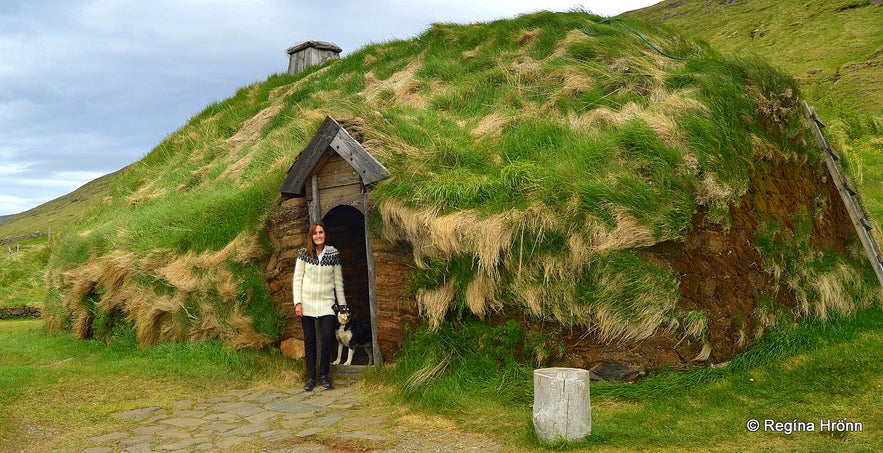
{"points": [[625, 209]]}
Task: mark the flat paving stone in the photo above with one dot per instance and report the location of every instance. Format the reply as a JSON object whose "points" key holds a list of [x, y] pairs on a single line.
{"points": [[292, 424], [276, 435], [139, 448], [266, 397], [263, 417], [217, 427], [136, 414], [188, 423], [173, 433], [247, 429], [222, 417], [292, 407], [189, 413], [327, 420], [320, 401], [283, 419], [230, 442], [149, 429], [239, 408]]}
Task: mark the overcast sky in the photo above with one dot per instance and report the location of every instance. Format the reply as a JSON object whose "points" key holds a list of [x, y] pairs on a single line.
{"points": [[88, 87]]}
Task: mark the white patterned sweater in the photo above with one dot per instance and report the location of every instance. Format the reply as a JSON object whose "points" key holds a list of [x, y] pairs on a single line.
{"points": [[316, 280]]}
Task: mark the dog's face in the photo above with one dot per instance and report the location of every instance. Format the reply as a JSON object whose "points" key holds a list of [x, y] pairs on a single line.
{"points": [[344, 313]]}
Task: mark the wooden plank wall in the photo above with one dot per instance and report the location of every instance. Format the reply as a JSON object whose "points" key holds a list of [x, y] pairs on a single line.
{"points": [[305, 58], [338, 185]]}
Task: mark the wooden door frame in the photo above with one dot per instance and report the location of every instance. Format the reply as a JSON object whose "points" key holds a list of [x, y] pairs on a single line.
{"points": [[314, 213]]}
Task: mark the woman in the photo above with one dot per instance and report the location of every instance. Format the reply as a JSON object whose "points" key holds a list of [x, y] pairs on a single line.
{"points": [[317, 285]]}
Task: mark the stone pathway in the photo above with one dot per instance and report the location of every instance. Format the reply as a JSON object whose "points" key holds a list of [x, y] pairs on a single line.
{"points": [[289, 420]]}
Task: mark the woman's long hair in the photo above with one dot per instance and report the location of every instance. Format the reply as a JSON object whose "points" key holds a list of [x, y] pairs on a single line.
{"points": [[310, 247]]}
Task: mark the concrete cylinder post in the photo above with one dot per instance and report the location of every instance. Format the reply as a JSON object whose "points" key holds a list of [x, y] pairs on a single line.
{"points": [[562, 408]]}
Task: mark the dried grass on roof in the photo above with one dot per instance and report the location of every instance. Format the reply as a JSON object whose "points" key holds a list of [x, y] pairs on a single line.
{"points": [[433, 303], [629, 233], [154, 320], [449, 235], [403, 84], [240, 332], [109, 281], [481, 294], [832, 289], [543, 282], [250, 132], [490, 125]]}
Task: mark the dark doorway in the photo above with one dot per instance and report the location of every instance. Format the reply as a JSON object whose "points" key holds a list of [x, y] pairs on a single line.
{"points": [[345, 226]]}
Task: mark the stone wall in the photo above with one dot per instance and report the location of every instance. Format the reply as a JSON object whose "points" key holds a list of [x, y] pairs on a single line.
{"points": [[19, 312]]}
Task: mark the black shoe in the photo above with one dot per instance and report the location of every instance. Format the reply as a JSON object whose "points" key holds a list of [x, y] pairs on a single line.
{"points": [[325, 382], [311, 383]]}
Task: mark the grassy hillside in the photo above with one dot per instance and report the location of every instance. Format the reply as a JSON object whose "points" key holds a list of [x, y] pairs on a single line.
{"points": [[531, 158], [833, 49], [25, 241]]}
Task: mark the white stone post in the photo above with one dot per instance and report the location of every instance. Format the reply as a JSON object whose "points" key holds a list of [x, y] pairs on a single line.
{"points": [[562, 409]]}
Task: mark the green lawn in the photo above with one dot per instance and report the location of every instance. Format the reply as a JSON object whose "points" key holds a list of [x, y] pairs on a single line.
{"points": [[806, 374], [57, 392]]}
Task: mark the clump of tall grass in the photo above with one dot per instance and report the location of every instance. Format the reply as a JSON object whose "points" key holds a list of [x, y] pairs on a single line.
{"points": [[824, 283], [438, 367]]}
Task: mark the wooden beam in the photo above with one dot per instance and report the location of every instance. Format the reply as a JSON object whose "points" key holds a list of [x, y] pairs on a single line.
{"points": [[847, 192], [314, 206], [368, 168], [299, 171], [372, 287]]}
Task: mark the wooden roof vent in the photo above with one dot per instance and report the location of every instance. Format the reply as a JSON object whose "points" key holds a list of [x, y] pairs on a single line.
{"points": [[310, 53]]}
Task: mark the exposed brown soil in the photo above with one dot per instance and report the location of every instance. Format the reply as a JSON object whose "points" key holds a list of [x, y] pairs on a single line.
{"points": [[721, 273]]}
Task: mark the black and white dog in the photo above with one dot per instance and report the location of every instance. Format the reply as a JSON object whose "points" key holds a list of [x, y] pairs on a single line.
{"points": [[352, 334]]}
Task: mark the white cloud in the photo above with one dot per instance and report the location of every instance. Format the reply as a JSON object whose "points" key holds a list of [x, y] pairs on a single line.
{"points": [[13, 205]]}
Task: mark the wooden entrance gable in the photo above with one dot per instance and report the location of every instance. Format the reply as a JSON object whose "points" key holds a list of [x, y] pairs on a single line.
{"points": [[333, 170]]}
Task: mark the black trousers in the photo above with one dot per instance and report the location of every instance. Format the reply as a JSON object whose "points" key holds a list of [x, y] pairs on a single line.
{"points": [[326, 331]]}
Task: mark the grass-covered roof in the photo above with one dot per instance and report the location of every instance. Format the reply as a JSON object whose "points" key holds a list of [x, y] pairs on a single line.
{"points": [[530, 160]]}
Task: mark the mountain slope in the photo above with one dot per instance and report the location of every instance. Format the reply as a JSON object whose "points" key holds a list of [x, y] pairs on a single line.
{"points": [[834, 49]]}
